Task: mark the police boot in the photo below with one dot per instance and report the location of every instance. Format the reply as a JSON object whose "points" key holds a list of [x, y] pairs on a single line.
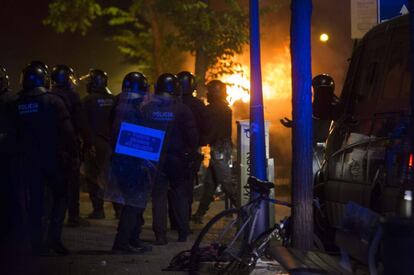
{"points": [[182, 237], [126, 249], [97, 215], [139, 244], [161, 240], [59, 248]]}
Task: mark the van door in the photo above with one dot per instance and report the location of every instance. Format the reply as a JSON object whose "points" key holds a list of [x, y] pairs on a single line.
{"points": [[347, 178], [391, 122]]}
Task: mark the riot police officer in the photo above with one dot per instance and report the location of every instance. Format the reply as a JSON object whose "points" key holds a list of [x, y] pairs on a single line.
{"points": [[326, 106], [45, 133], [45, 67], [188, 86], [219, 138], [131, 185], [98, 106], [63, 84], [166, 113], [323, 91], [9, 203]]}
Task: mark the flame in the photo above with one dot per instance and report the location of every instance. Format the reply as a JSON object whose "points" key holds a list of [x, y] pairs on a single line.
{"points": [[238, 85], [276, 79]]}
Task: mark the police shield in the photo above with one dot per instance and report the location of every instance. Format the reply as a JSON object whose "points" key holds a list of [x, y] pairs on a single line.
{"points": [[129, 171]]}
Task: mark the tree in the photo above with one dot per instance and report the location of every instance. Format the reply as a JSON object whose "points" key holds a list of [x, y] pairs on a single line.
{"points": [[138, 28], [213, 33], [152, 32], [302, 180]]}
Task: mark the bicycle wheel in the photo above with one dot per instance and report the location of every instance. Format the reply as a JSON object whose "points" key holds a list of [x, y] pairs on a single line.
{"points": [[220, 243]]}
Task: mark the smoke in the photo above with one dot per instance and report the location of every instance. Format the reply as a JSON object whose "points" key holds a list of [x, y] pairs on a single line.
{"points": [[331, 17], [332, 58]]}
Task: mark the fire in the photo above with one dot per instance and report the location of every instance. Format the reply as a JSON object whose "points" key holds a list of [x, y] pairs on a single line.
{"points": [[238, 85], [276, 79]]}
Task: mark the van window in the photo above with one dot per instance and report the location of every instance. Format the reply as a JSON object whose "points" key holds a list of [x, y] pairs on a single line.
{"points": [[364, 85], [369, 76], [396, 89], [396, 75], [393, 80], [369, 69], [406, 83]]}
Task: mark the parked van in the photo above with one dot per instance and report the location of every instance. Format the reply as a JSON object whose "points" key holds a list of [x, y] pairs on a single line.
{"points": [[366, 156]]}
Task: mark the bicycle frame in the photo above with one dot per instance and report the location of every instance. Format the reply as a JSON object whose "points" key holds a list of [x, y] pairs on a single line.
{"points": [[250, 208]]}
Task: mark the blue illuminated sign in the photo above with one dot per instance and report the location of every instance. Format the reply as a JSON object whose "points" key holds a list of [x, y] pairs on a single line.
{"points": [[388, 9], [140, 142]]}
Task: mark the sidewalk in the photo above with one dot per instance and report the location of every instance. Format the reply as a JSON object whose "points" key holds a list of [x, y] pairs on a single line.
{"points": [[90, 249]]}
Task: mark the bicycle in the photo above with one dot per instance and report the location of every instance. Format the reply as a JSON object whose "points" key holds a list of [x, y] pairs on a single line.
{"points": [[231, 245]]}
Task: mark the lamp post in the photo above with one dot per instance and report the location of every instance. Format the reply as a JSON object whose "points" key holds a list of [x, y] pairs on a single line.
{"points": [[258, 163]]}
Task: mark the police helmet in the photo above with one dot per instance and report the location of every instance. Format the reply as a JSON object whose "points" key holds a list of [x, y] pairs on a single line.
{"points": [[4, 80], [63, 76], [45, 68], [33, 77], [97, 81], [40, 64], [135, 82], [167, 83], [216, 91], [187, 82], [323, 80]]}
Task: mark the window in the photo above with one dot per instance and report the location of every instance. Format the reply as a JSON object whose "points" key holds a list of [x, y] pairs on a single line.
{"points": [[396, 74]]}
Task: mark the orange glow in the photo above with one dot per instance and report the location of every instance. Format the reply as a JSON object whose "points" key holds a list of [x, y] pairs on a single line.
{"points": [[410, 162], [276, 79], [206, 152]]}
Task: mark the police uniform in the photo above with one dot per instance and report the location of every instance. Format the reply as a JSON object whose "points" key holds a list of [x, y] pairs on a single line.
{"points": [[198, 109], [166, 113], [10, 205], [130, 182], [98, 108], [45, 135], [188, 85], [219, 138], [73, 103]]}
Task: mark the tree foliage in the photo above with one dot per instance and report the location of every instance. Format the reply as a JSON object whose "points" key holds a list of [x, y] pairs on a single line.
{"points": [[74, 15], [170, 26], [216, 31]]}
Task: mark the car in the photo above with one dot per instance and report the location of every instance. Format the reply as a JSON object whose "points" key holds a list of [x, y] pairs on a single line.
{"points": [[367, 156]]}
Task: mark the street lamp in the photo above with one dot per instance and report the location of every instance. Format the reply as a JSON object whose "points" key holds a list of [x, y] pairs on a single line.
{"points": [[324, 37]]}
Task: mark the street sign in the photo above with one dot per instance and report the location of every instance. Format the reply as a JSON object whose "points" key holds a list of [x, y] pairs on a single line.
{"points": [[363, 17], [140, 142], [388, 9]]}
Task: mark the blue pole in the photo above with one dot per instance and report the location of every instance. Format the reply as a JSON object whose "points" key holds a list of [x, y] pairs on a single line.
{"points": [[302, 133], [411, 129], [257, 127]]}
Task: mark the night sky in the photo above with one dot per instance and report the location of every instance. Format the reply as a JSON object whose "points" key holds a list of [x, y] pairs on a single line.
{"points": [[25, 38]]}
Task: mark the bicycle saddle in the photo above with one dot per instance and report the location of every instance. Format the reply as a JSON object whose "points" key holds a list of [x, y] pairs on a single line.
{"points": [[260, 186]]}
